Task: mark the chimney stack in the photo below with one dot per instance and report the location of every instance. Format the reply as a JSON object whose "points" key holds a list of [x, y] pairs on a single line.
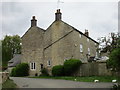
{"points": [[33, 21], [86, 33], [58, 15]]}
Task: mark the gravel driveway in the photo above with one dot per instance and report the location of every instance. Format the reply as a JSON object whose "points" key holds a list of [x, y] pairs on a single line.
{"points": [[55, 83]]}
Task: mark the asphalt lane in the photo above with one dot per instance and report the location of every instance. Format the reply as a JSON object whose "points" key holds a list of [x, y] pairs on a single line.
{"points": [[55, 83]]}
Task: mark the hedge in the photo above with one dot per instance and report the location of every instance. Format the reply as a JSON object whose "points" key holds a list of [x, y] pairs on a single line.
{"points": [[58, 70], [70, 66], [20, 70]]}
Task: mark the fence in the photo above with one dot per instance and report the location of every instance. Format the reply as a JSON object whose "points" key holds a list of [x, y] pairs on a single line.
{"points": [[93, 69]]}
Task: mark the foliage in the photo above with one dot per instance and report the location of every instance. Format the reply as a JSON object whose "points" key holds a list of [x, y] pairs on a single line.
{"points": [[20, 70], [44, 72], [13, 72], [10, 45], [70, 66], [9, 84], [58, 70], [114, 60], [108, 43]]}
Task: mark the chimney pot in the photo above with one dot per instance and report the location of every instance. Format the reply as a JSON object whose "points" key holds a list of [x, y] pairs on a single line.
{"points": [[33, 21], [86, 32], [58, 15]]}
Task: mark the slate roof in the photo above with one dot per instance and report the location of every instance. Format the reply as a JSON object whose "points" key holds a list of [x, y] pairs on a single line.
{"points": [[15, 60]]}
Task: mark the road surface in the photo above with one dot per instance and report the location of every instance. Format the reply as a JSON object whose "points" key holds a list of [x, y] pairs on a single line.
{"points": [[55, 83]]}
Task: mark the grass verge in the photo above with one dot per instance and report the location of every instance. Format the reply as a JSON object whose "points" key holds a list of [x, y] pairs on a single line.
{"points": [[8, 84], [82, 79]]}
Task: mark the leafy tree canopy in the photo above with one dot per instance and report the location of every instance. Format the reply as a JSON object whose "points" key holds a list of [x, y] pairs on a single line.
{"points": [[10, 45]]}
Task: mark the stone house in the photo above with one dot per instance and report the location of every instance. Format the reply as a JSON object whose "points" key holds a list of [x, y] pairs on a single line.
{"points": [[59, 42]]}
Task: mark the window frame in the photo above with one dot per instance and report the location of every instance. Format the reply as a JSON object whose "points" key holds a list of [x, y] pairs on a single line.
{"points": [[88, 40], [80, 35], [88, 51], [81, 48], [49, 63], [32, 66]]}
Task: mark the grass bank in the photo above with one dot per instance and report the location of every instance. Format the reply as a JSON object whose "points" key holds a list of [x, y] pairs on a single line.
{"points": [[82, 79], [8, 84]]}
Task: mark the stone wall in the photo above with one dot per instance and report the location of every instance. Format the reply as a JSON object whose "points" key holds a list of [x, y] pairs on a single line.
{"points": [[32, 48], [67, 44], [3, 76], [93, 69]]}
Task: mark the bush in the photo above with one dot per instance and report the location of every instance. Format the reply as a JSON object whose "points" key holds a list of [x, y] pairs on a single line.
{"points": [[70, 66], [20, 70], [13, 72], [44, 72], [58, 70]]}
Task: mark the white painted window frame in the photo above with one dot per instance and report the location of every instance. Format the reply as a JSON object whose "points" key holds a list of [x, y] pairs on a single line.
{"points": [[81, 48], [89, 51], [80, 35], [88, 39], [49, 63], [32, 66]]}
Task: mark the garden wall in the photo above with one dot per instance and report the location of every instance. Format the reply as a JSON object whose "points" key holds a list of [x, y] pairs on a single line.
{"points": [[93, 69], [3, 76]]}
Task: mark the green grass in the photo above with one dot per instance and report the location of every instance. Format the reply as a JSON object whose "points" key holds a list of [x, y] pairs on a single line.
{"points": [[82, 79], [9, 84]]}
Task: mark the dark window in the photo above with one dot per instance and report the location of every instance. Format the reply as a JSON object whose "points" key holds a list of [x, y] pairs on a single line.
{"points": [[41, 65]]}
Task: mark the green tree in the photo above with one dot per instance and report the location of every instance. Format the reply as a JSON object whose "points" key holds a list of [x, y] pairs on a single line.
{"points": [[114, 59], [10, 45]]}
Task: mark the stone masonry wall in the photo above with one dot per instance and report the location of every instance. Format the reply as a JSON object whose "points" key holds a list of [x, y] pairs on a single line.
{"points": [[32, 48], [3, 76]]}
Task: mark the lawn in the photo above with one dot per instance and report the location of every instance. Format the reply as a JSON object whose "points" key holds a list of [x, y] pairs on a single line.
{"points": [[8, 84], [82, 79]]}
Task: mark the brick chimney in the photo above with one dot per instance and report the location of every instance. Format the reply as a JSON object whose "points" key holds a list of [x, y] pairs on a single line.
{"points": [[58, 15], [33, 21], [86, 33]]}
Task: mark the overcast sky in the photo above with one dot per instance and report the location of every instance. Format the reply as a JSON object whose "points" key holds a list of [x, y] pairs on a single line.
{"points": [[100, 18]]}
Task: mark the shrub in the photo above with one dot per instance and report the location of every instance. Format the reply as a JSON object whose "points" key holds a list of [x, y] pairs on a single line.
{"points": [[58, 70], [44, 72], [13, 72], [20, 70], [70, 66]]}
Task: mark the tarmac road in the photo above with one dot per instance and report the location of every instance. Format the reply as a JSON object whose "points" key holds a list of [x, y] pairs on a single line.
{"points": [[55, 83]]}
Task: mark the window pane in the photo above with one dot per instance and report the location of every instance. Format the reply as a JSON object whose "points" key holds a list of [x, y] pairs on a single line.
{"points": [[31, 65], [34, 65], [81, 48]]}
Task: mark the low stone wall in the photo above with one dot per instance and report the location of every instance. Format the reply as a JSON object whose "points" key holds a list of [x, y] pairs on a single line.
{"points": [[93, 69], [3, 76]]}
